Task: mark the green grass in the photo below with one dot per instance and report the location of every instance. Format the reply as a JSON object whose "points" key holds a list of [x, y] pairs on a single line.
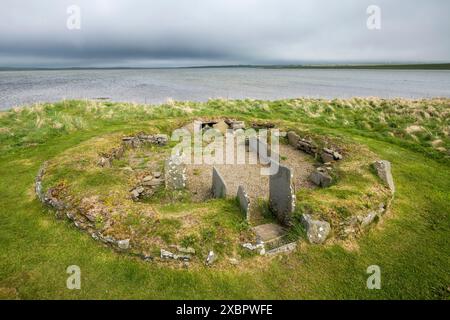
{"points": [[411, 245]]}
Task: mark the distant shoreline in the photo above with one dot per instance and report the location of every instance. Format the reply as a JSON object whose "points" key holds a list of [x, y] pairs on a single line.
{"points": [[418, 66]]}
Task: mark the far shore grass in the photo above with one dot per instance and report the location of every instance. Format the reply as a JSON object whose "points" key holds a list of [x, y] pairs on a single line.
{"points": [[411, 245]]}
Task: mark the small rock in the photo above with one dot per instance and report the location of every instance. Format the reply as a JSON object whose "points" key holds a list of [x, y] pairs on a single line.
{"points": [[321, 178], [147, 178], [326, 157], [285, 248], [124, 244], [251, 247], [161, 139], [316, 230], [293, 138], [236, 125], [221, 126], [337, 156], [135, 195], [104, 162], [166, 254], [210, 258], [234, 261], [157, 174], [368, 219]]}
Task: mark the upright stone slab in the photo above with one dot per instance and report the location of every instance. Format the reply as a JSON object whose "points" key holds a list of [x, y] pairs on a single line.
{"points": [[281, 194], [175, 173], [383, 168], [219, 188], [244, 202], [293, 139]]}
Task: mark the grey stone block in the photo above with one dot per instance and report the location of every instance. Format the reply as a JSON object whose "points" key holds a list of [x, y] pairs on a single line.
{"points": [[281, 194], [316, 230], [293, 139], [321, 179], [244, 202], [175, 173], [285, 248], [219, 188], [383, 168]]}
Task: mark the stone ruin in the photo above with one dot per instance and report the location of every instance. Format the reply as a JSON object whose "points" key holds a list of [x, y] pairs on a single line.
{"points": [[281, 196]]}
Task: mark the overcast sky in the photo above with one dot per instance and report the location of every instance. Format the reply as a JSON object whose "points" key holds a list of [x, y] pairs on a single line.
{"points": [[213, 32]]}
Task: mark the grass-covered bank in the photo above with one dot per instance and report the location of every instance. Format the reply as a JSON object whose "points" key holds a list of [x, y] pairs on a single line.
{"points": [[410, 246]]}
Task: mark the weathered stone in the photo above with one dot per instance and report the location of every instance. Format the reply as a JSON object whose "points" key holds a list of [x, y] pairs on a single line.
{"points": [[169, 255], [337, 155], [368, 219], [104, 162], [219, 188], [383, 168], [175, 173], [137, 192], [307, 146], [38, 183], [233, 261], [147, 178], [326, 157], [329, 155], [166, 254], [157, 174], [285, 248], [244, 202], [161, 139], [269, 232], [293, 139], [321, 179], [210, 258], [316, 230], [221, 126], [134, 194], [258, 246], [51, 200], [123, 244], [281, 194], [236, 125]]}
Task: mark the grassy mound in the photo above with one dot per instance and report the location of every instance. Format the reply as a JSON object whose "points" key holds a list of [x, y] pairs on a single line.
{"points": [[411, 247]]}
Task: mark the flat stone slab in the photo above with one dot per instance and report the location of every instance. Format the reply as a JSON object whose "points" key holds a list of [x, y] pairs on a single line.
{"points": [[219, 188], [268, 232]]}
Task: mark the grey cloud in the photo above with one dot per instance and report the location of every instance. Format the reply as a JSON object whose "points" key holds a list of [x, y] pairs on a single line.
{"points": [[176, 32]]}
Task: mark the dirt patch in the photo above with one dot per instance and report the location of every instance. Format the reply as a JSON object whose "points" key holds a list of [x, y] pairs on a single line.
{"points": [[249, 175]]}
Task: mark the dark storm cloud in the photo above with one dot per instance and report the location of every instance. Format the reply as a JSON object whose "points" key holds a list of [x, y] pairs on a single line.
{"points": [[195, 32]]}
